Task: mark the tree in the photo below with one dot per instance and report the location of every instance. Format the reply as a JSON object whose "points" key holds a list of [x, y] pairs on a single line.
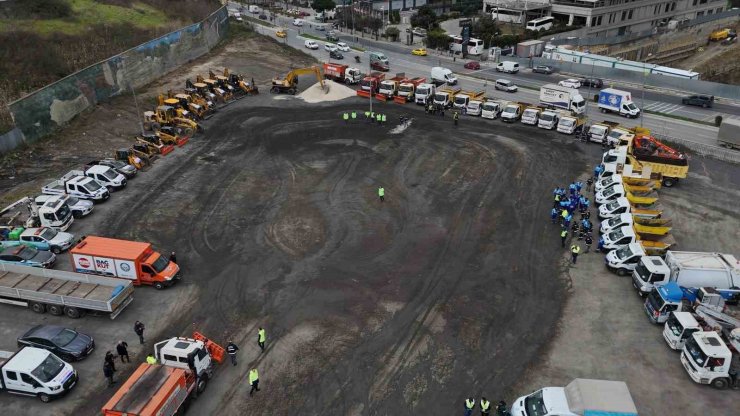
{"points": [[392, 33], [374, 23], [485, 28], [321, 5], [437, 38], [424, 17]]}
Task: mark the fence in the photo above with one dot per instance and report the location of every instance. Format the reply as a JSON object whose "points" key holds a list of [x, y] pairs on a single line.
{"points": [[53, 106], [703, 149]]}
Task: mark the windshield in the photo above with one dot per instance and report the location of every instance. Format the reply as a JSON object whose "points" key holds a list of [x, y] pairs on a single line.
{"points": [[489, 107], [92, 186], [612, 206], [48, 233], [566, 122], [422, 90], [615, 134], [610, 191], [473, 106], [460, 100], [64, 337], [510, 110], [440, 97], [546, 117], [72, 200], [534, 404], [598, 129], [695, 352], [48, 369], [365, 82], [607, 182], [579, 103], [675, 326], [644, 273], [160, 264], [656, 301], [616, 235], [386, 85], [27, 253], [406, 88], [624, 253], [632, 107], [63, 212]]}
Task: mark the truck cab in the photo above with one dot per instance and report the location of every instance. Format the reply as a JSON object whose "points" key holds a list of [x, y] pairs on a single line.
{"points": [[187, 354], [371, 82], [407, 88], [444, 97], [619, 136], [531, 115], [623, 260], [389, 87], [512, 112], [609, 194], [548, 120], [651, 271], [474, 108], [107, 176], [38, 373], [570, 124], [707, 359], [607, 182], [463, 99], [614, 208], [678, 329], [619, 237], [598, 132], [423, 93], [581, 397], [491, 109]]}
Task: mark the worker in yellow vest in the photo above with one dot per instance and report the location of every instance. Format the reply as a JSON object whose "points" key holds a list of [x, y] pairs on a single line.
{"points": [[575, 249], [261, 338], [254, 380], [469, 405], [485, 407], [150, 359]]}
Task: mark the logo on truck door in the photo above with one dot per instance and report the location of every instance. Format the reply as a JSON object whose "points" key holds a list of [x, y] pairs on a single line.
{"points": [[85, 263]]}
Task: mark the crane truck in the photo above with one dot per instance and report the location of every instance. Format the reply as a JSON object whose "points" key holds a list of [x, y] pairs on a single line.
{"points": [[55, 214], [182, 371]]}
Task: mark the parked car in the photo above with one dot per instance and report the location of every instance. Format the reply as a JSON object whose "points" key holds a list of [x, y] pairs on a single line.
{"points": [[343, 47], [419, 52], [281, 33], [505, 85], [379, 66], [336, 55], [418, 31], [67, 344], [27, 256], [263, 17], [330, 47], [298, 22], [119, 166], [311, 44], [543, 69], [570, 83], [472, 65], [592, 82], [705, 101]]}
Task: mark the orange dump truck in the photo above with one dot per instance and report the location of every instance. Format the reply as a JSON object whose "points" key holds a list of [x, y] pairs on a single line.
{"points": [[184, 366], [131, 260]]}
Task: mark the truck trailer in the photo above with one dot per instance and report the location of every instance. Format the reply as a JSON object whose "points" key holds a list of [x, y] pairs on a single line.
{"points": [[729, 133], [130, 260], [564, 98], [581, 397]]}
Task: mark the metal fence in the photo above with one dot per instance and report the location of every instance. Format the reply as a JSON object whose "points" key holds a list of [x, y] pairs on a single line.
{"points": [[702, 149]]}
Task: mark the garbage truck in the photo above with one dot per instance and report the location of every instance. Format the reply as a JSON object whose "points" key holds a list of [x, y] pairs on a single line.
{"points": [[581, 397]]}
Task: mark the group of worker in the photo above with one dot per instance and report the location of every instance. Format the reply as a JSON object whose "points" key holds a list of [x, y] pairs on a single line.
{"points": [[485, 407], [254, 377], [370, 117], [566, 201], [435, 109]]}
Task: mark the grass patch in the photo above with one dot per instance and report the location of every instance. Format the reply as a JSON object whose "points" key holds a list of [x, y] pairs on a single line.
{"points": [[677, 117], [87, 13]]}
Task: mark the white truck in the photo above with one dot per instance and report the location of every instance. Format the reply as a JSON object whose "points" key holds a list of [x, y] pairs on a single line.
{"points": [[423, 93], [492, 109], [571, 124], [617, 101], [687, 269], [442, 75], [599, 131], [474, 107], [708, 360], [564, 98], [105, 175], [512, 112], [581, 397], [78, 186], [36, 372], [549, 119], [681, 324], [531, 115], [79, 207], [54, 214], [623, 260], [729, 133]]}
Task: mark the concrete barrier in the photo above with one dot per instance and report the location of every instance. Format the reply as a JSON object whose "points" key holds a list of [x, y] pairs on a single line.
{"points": [[53, 106]]}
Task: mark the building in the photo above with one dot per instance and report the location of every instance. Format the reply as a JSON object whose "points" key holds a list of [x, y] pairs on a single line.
{"points": [[601, 18]]}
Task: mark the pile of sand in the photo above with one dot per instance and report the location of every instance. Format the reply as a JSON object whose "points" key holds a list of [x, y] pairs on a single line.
{"points": [[314, 93]]}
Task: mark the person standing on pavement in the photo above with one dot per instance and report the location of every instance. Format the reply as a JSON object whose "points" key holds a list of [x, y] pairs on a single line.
{"points": [[139, 330], [108, 373], [554, 215], [589, 182], [589, 241], [563, 236], [231, 349], [574, 250], [150, 359], [254, 380], [110, 359], [456, 117], [381, 194], [501, 409], [261, 338], [469, 405], [485, 407], [173, 257], [122, 350]]}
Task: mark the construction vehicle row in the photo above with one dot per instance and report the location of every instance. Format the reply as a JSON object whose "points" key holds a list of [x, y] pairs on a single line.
{"points": [[182, 370], [53, 211]]}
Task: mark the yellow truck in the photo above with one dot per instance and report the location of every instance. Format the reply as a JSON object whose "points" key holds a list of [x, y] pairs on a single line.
{"points": [[719, 35], [644, 152], [463, 98]]}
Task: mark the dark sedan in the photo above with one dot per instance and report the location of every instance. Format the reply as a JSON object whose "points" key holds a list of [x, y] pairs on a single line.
{"points": [[336, 55], [67, 344], [27, 256], [379, 66], [592, 82], [705, 101], [472, 65]]}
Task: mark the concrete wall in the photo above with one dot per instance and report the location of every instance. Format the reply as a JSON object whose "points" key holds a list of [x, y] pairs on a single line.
{"points": [[50, 108]]}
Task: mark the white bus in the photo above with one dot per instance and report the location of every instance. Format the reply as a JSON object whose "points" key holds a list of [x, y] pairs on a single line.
{"points": [[475, 46], [543, 23]]}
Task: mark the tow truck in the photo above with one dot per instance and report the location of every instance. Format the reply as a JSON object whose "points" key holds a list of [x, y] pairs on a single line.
{"points": [[184, 366], [370, 84], [407, 89], [55, 214], [445, 96]]}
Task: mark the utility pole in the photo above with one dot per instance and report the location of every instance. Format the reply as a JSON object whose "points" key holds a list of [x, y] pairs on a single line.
{"points": [[136, 104]]}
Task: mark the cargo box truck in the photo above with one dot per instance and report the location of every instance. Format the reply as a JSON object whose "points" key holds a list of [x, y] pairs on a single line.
{"points": [[131, 260], [564, 98], [581, 397], [617, 101]]}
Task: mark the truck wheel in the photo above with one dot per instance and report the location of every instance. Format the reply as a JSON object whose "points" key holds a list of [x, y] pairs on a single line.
{"points": [[44, 397], [669, 182], [158, 285], [621, 272], [56, 250], [73, 312], [55, 310], [720, 383], [603, 110], [202, 383], [37, 307]]}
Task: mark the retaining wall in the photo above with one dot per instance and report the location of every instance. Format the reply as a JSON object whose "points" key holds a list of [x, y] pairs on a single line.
{"points": [[47, 109]]}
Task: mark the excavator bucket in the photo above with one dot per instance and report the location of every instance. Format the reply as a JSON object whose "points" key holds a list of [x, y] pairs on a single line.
{"points": [[217, 352]]}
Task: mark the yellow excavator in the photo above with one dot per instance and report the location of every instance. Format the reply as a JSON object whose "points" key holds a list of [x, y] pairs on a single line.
{"points": [[165, 115], [238, 82], [213, 87], [289, 84]]}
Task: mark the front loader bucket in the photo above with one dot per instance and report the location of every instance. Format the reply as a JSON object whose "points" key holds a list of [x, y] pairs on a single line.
{"points": [[381, 97], [168, 148]]}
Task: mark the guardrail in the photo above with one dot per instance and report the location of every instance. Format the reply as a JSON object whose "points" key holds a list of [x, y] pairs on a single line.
{"points": [[703, 149]]}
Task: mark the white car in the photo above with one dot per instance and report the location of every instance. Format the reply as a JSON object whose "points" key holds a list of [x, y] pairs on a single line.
{"points": [[310, 44], [343, 47], [298, 22], [570, 83], [330, 47]]}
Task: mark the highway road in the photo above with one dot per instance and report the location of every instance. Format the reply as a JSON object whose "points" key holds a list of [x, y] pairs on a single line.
{"points": [[402, 61]]}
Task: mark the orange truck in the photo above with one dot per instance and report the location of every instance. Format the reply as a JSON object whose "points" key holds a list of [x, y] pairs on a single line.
{"points": [[389, 87], [131, 260], [370, 84], [184, 366], [407, 88]]}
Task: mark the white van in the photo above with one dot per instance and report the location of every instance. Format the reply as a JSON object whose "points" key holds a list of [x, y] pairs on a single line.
{"points": [[36, 372], [442, 75], [298, 22], [508, 66]]}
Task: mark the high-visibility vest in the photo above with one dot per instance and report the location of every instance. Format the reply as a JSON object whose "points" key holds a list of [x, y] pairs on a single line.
{"points": [[381, 191], [484, 404], [262, 335], [564, 233], [564, 213], [345, 116], [575, 249], [354, 115], [253, 376], [151, 360], [378, 117], [469, 403], [367, 114], [383, 118]]}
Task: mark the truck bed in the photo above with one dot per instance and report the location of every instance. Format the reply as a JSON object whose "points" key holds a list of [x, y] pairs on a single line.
{"points": [[57, 287], [146, 390]]}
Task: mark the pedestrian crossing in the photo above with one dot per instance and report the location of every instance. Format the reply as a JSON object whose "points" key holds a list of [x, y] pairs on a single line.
{"points": [[666, 108]]}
